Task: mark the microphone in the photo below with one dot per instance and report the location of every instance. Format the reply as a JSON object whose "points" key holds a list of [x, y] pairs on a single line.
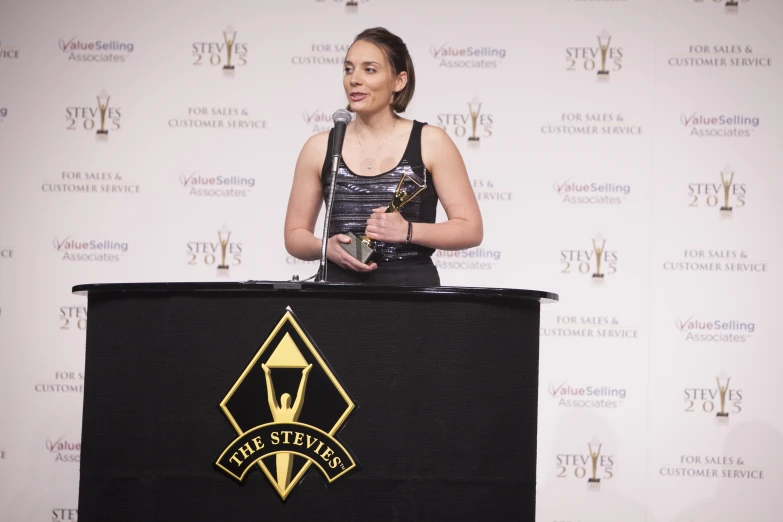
{"points": [[341, 119]]}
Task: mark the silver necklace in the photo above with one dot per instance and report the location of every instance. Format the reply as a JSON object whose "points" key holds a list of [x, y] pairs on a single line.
{"points": [[370, 161]]}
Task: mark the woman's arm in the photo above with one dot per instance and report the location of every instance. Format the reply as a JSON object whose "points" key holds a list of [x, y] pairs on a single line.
{"points": [[305, 200], [464, 227]]}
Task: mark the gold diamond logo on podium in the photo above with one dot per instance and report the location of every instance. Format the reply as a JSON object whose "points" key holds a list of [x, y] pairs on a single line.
{"points": [[286, 409]]}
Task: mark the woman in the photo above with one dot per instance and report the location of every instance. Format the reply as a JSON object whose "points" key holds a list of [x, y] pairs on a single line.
{"points": [[379, 147]]}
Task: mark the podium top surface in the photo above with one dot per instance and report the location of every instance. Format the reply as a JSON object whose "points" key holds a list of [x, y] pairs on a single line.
{"points": [[342, 289]]}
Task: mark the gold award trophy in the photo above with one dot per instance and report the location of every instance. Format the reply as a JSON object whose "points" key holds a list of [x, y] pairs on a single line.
{"points": [[603, 74], [102, 134], [731, 7], [474, 140], [726, 210], [722, 417], [594, 483], [598, 277], [228, 69], [363, 249], [222, 269]]}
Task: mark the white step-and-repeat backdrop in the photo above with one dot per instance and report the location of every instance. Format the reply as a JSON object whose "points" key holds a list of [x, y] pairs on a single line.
{"points": [[628, 159]]}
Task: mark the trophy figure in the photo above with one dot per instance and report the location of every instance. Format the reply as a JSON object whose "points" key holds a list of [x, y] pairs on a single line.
{"points": [[722, 417], [731, 7], [603, 74], [102, 134], [222, 269], [474, 140], [285, 412], [594, 483], [363, 249], [228, 69], [598, 277], [726, 210], [351, 6]]}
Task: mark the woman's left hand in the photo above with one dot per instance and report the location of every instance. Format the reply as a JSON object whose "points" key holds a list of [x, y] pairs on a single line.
{"points": [[388, 227]]}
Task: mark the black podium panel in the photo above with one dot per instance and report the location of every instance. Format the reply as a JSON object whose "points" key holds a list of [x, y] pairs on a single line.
{"points": [[444, 428]]}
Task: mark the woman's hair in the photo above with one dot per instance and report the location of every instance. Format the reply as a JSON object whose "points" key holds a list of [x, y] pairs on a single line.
{"points": [[397, 55]]}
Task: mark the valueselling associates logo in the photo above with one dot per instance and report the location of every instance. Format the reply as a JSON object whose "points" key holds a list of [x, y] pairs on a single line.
{"points": [[473, 125], [603, 60], [471, 259], [90, 250], [593, 466], [598, 262], [719, 401], [279, 427], [65, 515], [64, 450], [576, 396], [724, 196], [220, 186], [719, 125], [468, 57], [73, 318], [227, 54], [572, 192], [317, 121], [8, 52], [224, 252], [100, 51], [101, 118], [702, 330]]}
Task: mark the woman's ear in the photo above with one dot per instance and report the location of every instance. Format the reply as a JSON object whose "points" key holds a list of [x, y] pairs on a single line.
{"points": [[401, 82]]}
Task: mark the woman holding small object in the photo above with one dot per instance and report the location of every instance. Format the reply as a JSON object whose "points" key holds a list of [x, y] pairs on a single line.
{"points": [[385, 158]]}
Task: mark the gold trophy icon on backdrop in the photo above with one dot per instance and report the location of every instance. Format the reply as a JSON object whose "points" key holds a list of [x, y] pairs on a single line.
{"points": [[603, 74], [722, 417], [102, 134], [731, 7], [726, 210], [598, 277], [228, 68], [286, 355], [222, 269], [363, 249], [474, 139], [594, 483]]}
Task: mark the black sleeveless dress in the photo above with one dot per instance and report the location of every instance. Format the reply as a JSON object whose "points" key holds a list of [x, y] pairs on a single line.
{"points": [[356, 196]]}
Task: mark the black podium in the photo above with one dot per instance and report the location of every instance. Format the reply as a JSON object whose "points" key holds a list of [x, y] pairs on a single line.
{"points": [[265, 401]]}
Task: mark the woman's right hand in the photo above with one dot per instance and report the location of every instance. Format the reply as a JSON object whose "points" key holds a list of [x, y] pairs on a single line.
{"points": [[337, 255]]}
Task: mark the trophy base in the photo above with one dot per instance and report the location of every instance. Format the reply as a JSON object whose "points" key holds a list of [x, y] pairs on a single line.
{"points": [[602, 76], [222, 271], [102, 136], [351, 7], [360, 250], [474, 143], [228, 71], [726, 213], [731, 8], [722, 418], [594, 485], [598, 279]]}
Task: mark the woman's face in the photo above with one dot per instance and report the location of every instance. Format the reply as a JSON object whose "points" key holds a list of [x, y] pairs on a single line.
{"points": [[369, 81]]}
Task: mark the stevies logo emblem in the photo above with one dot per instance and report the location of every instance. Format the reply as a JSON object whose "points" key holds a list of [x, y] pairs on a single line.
{"points": [[286, 408]]}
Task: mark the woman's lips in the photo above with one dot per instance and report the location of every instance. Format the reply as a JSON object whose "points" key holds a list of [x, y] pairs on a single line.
{"points": [[358, 96]]}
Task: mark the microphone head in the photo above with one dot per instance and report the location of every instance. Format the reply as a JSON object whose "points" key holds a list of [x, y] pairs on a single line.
{"points": [[341, 116]]}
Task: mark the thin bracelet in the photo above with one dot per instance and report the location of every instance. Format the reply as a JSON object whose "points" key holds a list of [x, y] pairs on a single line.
{"points": [[410, 232]]}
